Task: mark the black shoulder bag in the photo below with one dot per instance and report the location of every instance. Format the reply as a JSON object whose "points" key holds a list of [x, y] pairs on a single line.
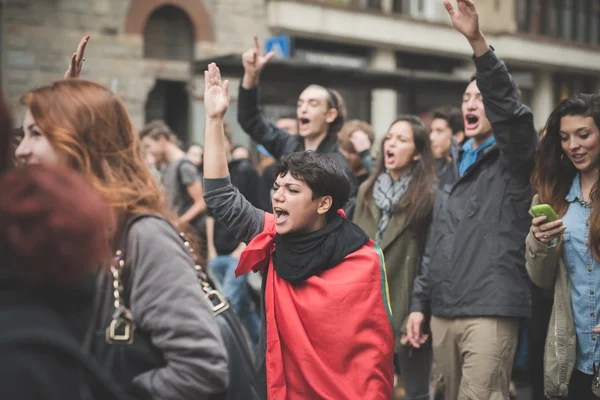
{"points": [[58, 340], [128, 352]]}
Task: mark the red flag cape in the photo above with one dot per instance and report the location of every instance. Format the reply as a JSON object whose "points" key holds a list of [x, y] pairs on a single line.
{"points": [[331, 336]]}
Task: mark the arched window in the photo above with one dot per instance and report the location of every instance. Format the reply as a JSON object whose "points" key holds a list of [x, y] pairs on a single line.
{"points": [[169, 35]]}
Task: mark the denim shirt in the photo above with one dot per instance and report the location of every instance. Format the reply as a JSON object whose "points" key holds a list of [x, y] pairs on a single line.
{"points": [[584, 274]]}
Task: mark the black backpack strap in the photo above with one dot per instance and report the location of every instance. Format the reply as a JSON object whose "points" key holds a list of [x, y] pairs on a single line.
{"points": [[53, 339]]}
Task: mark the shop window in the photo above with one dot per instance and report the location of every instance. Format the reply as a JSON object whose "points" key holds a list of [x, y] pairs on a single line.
{"points": [[595, 22], [169, 35]]}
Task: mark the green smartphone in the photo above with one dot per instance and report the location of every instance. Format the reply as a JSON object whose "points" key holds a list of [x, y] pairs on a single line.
{"points": [[544, 210]]}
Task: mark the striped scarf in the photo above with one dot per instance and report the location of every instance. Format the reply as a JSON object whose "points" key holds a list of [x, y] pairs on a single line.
{"points": [[387, 194]]}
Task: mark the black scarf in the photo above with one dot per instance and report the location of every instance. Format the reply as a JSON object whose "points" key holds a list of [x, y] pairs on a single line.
{"points": [[297, 257]]}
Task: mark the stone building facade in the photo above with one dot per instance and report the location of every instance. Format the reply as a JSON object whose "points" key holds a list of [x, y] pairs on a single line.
{"points": [[141, 49], [386, 56]]}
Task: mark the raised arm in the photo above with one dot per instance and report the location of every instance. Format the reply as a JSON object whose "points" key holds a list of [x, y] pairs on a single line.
{"points": [[77, 59], [512, 122], [250, 118], [225, 202]]}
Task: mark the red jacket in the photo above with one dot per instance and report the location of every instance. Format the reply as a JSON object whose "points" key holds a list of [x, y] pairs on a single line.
{"points": [[330, 337]]}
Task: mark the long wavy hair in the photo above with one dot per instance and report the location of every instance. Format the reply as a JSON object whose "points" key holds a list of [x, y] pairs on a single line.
{"points": [[554, 172], [91, 126], [420, 195]]}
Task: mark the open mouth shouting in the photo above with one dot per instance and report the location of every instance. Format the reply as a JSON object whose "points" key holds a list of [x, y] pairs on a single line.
{"points": [[303, 124], [281, 215], [471, 122], [389, 158]]}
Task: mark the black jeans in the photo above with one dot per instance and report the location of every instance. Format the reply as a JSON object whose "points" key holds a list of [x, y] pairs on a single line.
{"points": [[541, 309], [580, 387]]}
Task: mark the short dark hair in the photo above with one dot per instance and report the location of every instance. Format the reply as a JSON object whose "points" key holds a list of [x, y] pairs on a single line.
{"points": [[321, 172], [155, 129], [453, 116]]}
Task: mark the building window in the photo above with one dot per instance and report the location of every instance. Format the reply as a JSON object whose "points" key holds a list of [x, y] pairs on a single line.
{"points": [[595, 22], [169, 35], [573, 20], [581, 18], [371, 5]]}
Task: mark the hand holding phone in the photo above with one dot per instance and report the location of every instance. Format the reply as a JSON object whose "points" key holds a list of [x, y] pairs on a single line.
{"points": [[546, 225]]}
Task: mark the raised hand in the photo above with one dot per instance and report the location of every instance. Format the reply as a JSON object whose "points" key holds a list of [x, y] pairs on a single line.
{"points": [[464, 18], [254, 62], [77, 59], [216, 94]]}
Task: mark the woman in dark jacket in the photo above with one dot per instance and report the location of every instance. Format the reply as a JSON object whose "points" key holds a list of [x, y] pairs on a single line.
{"points": [[53, 235], [394, 207]]}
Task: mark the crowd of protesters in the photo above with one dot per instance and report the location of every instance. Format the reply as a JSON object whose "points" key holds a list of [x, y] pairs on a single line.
{"points": [[334, 267]]}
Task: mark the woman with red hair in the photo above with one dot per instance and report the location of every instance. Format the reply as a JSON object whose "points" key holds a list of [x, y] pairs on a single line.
{"points": [[85, 127], [53, 235]]}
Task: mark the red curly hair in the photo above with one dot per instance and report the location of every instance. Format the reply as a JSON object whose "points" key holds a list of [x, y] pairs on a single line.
{"points": [[53, 224], [91, 126]]}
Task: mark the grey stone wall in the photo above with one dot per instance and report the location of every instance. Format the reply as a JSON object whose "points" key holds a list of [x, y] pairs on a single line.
{"points": [[41, 35]]}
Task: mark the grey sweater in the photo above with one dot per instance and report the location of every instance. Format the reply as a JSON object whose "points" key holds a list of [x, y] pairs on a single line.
{"points": [[167, 303]]}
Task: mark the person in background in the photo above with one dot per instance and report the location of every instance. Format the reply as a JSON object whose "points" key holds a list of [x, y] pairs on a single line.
{"points": [[288, 123], [326, 331], [446, 131], [224, 249], [239, 152], [165, 300], [394, 207], [195, 154], [473, 286], [564, 255], [267, 179], [181, 180], [355, 140], [320, 113]]}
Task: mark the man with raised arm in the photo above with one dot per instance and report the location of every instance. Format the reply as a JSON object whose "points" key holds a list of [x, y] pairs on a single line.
{"points": [[321, 113], [326, 330], [473, 282]]}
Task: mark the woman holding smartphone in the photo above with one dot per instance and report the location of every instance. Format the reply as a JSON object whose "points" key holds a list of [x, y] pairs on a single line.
{"points": [[565, 253]]}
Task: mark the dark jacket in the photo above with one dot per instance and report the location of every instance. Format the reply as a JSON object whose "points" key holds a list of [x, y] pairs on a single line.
{"points": [[278, 142], [32, 370], [474, 263], [245, 178], [447, 172]]}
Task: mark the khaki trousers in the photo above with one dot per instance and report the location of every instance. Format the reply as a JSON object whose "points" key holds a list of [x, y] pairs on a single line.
{"points": [[475, 355]]}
